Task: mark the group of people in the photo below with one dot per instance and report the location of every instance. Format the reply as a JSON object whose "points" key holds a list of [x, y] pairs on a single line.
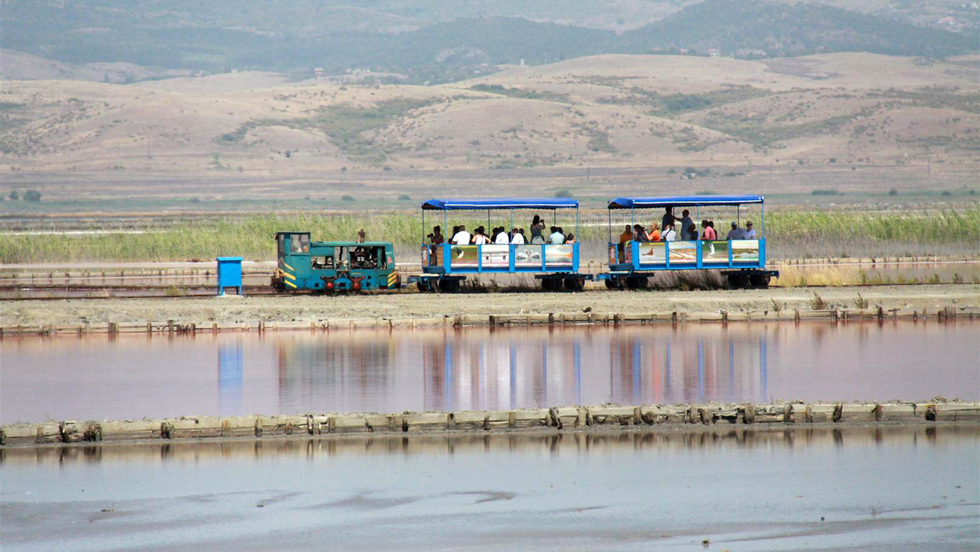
{"points": [[500, 236], [665, 230]]}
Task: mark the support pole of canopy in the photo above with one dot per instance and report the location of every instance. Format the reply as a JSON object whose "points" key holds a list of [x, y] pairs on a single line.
{"points": [[609, 211], [423, 225], [762, 220]]}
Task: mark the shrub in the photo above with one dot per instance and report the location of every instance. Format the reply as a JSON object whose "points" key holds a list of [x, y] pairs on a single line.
{"points": [[893, 192], [348, 198], [32, 195], [563, 193], [404, 197], [826, 192], [14, 196]]}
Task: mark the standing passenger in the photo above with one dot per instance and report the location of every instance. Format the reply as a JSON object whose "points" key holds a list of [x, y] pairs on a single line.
{"points": [[689, 230], [537, 230], [361, 236], [667, 220]]}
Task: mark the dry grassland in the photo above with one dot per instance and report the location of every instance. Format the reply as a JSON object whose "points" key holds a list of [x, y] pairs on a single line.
{"points": [[855, 122]]}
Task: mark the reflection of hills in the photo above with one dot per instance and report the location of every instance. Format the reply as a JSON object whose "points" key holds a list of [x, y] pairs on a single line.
{"points": [[326, 373]]}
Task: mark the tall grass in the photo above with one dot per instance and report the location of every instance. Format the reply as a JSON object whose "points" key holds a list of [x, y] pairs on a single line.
{"points": [[788, 232]]}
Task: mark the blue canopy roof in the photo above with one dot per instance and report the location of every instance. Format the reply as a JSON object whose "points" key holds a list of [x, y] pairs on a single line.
{"points": [[680, 201], [505, 203]]}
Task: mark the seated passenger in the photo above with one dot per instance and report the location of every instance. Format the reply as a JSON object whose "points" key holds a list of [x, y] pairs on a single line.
{"points": [[436, 237], [626, 236], [639, 233], [479, 236], [570, 239], [503, 238], [461, 237], [517, 236], [735, 233], [709, 233], [749, 232], [654, 234], [556, 237], [669, 235]]}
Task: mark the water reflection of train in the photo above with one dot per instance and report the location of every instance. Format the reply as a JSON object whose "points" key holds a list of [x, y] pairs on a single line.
{"points": [[479, 368]]}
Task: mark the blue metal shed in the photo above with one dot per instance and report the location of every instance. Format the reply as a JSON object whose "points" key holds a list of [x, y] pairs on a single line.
{"points": [[230, 274]]}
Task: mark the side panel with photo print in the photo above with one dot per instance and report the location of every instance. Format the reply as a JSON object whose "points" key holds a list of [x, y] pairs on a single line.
{"points": [[714, 252], [527, 256], [652, 253], [464, 255], [683, 252], [495, 256], [745, 251], [559, 255]]}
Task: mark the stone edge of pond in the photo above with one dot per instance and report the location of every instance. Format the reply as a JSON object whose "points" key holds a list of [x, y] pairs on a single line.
{"points": [[609, 417], [495, 320]]}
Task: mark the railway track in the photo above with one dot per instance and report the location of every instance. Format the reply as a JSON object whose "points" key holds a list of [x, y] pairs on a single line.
{"points": [[34, 292]]}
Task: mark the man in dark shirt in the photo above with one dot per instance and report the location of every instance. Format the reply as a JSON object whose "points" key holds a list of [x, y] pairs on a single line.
{"points": [[667, 220]]}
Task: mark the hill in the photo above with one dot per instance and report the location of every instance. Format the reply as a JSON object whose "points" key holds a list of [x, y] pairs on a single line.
{"points": [[593, 125], [754, 28], [427, 41]]}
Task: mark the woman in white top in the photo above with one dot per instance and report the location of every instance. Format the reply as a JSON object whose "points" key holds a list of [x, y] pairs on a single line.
{"points": [[501, 238]]}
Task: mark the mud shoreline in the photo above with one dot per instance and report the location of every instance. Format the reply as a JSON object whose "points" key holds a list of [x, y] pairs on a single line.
{"points": [[304, 310]]}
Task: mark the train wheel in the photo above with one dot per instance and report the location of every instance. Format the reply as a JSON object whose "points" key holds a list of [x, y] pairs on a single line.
{"points": [[547, 284], [611, 284], [574, 284], [636, 282], [738, 280], [760, 280]]}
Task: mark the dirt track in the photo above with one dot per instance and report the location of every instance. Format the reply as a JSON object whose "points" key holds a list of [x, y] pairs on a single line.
{"points": [[407, 305]]}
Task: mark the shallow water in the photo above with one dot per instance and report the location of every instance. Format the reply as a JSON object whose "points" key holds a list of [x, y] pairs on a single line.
{"points": [[98, 377], [864, 488]]}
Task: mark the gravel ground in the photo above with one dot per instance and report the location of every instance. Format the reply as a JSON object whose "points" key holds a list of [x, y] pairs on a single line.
{"points": [[416, 305]]}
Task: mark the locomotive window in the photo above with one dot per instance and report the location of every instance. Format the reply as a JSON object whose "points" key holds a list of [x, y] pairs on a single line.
{"points": [[282, 244], [320, 262], [299, 243]]}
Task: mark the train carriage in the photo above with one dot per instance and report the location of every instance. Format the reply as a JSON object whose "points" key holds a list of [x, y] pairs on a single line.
{"points": [[742, 261], [445, 266]]}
